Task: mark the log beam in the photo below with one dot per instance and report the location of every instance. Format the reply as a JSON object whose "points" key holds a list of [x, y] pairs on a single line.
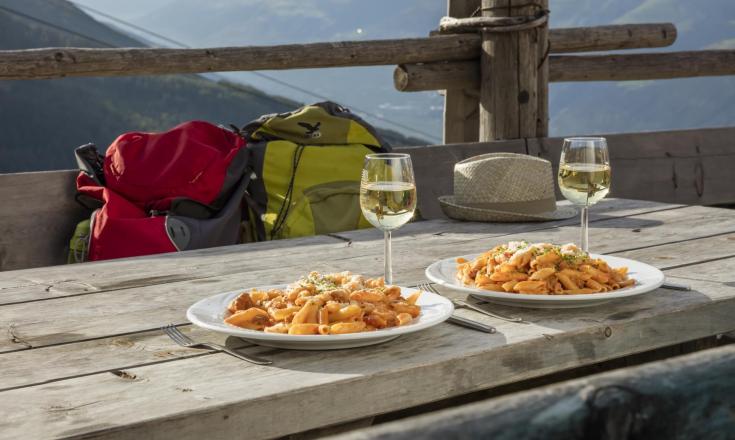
{"points": [[509, 63], [613, 37], [570, 68], [63, 62], [461, 106]]}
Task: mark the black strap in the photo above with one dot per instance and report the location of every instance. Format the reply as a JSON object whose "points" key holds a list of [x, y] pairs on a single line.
{"points": [[286, 206], [253, 213]]}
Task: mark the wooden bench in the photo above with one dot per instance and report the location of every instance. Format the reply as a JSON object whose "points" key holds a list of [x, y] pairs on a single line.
{"points": [[38, 212], [686, 397]]}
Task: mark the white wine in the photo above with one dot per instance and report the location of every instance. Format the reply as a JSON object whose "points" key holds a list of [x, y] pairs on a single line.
{"points": [[584, 183], [388, 205]]}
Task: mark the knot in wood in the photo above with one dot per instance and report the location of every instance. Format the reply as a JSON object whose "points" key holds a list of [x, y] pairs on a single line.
{"points": [[523, 97]]}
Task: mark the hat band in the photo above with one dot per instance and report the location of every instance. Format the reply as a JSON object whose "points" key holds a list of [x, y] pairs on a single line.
{"points": [[526, 207]]}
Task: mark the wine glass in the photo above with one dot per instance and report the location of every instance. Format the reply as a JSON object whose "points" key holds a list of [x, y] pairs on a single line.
{"points": [[388, 196], [584, 175]]}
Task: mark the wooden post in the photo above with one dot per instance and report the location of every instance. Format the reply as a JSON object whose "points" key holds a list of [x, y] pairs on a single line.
{"points": [[461, 123], [542, 78], [509, 101]]}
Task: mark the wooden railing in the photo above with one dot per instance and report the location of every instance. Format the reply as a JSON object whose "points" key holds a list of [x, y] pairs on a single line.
{"points": [[450, 62], [62, 62]]}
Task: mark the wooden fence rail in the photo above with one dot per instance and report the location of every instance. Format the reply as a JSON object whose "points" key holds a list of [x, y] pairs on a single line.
{"points": [[687, 397], [62, 62], [566, 68]]}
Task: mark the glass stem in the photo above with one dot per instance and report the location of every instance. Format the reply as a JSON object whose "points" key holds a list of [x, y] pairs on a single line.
{"points": [[388, 266], [584, 239]]}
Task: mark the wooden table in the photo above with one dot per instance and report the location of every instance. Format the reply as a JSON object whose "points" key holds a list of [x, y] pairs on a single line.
{"points": [[82, 354]]}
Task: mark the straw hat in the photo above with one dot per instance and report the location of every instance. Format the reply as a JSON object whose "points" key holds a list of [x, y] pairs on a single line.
{"points": [[504, 187]]}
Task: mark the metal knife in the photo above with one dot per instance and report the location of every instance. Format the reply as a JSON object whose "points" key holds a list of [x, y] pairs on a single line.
{"points": [[464, 322], [675, 286]]}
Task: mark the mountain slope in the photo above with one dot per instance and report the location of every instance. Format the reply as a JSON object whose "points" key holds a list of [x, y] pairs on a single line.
{"points": [[43, 120]]}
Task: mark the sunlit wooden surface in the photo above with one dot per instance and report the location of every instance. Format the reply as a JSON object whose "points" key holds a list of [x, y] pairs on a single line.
{"points": [[81, 353]]}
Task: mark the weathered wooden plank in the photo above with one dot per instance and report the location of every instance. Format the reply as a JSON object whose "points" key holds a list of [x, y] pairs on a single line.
{"points": [[458, 75], [233, 396], [126, 351], [461, 107], [570, 68], [680, 166], [612, 37], [63, 62], [36, 324], [602, 38], [60, 281], [663, 311], [37, 218], [529, 55], [103, 355], [500, 76], [714, 271], [637, 401], [542, 76], [643, 66]]}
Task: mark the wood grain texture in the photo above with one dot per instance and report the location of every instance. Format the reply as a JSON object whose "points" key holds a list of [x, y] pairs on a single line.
{"points": [[642, 66], [571, 68], [64, 62], [461, 123], [35, 324], [542, 77], [233, 396], [637, 402], [102, 401], [612, 37], [140, 348], [82, 279], [56, 282], [680, 166], [499, 78], [38, 214]]}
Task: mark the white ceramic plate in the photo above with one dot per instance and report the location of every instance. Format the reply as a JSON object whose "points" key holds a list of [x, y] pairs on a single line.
{"points": [[647, 278], [210, 312]]}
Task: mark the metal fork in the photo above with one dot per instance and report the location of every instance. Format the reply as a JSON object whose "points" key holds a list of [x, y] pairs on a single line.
{"points": [[458, 320], [462, 304], [187, 342]]}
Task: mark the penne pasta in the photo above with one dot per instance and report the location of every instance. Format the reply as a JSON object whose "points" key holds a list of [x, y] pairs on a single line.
{"points": [[330, 304], [541, 268]]}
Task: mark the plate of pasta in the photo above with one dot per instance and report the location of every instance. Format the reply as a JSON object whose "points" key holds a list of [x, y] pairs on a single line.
{"points": [[321, 311], [545, 275]]}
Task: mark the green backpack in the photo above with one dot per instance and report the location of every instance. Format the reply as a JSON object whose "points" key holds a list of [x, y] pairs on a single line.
{"points": [[307, 171]]}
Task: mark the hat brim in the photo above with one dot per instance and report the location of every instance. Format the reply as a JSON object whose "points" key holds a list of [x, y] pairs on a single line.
{"points": [[454, 210]]}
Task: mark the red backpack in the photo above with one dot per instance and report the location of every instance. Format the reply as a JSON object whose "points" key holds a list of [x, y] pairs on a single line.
{"points": [[162, 192]]}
